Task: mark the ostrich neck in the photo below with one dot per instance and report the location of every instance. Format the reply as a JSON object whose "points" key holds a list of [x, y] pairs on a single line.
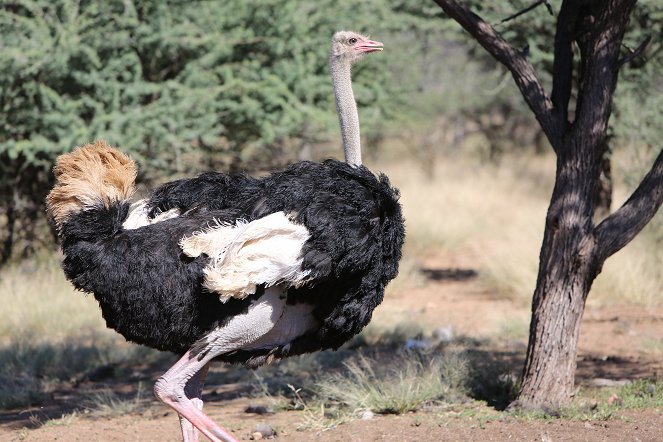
{"points": [[346, 107]]}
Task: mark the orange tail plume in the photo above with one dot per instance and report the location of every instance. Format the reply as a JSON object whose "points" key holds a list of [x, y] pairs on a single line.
{"points": [[92, 175]]}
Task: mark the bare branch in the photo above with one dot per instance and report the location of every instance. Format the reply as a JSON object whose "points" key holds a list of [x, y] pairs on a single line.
{"points": [[522, 71], [620, 228], [635, 53], [529, 8]]}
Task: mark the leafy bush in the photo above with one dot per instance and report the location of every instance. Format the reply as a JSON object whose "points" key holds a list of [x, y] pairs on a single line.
{"points": [[180, 85]]}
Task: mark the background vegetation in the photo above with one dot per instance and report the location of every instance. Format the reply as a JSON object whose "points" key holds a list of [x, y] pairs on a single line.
{"points": [[188, 86]]}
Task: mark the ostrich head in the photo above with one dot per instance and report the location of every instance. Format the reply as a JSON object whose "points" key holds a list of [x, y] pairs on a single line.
{"points": [[348, 47]]}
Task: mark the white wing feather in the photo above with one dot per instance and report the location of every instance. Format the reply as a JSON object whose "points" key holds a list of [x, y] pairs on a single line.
{"points": [[244, 255]]}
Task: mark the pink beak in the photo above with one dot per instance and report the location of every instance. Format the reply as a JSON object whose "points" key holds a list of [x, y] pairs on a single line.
{"points": [[368, 46]]}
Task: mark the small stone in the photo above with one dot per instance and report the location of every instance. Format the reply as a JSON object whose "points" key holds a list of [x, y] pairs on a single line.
{"points": [[265, 430], [588, 425], [367, 415], [257, 435]]}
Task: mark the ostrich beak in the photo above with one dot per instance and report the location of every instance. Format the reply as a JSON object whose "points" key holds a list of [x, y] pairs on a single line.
{"points": [[369, 46]]}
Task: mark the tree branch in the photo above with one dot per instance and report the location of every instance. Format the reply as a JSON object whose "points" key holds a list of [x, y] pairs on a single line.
{"points": [[522, 71], [622, 226], [529, 8], [606, 23], [635, 53], [563, 60]]}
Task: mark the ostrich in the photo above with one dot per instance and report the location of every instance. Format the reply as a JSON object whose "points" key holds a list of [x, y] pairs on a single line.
{"points": [[230, 267]]}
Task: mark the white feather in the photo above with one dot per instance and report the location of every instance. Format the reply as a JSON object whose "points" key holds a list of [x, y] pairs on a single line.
{"points": [[137, 216], [265, 251]]}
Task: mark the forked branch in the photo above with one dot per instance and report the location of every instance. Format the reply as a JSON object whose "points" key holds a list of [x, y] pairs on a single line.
{"points": [[635, 53], [621, 227], [522, 70]]}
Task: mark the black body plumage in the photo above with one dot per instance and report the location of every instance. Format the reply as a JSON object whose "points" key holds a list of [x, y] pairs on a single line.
{"points": [[152, 294]]}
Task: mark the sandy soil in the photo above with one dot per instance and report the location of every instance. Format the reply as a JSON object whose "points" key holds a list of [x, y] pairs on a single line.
{"points": [[617, 342], [634, 426]]}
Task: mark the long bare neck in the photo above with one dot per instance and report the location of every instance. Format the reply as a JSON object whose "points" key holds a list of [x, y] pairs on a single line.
{"points": [[346, 108]]}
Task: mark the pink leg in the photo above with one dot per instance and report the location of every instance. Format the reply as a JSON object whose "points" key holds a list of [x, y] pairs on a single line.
{"points": [[170, 389], [194, 391]]}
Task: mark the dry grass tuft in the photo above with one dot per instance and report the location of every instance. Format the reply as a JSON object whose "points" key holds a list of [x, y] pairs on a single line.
{"points": [[107, 403], [403, 384]]}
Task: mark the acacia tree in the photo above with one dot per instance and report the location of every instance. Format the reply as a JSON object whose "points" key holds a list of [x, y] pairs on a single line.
{"points": [[574, 247]]}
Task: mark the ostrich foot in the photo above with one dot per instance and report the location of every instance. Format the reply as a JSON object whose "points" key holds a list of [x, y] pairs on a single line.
{"points": [[172, 389]]}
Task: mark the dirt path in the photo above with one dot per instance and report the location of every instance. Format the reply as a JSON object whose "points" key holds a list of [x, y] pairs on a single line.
{"points": [[616, 343], [425, 427]]}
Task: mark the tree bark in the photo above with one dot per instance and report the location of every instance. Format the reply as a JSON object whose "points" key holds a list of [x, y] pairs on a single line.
{"points": [[569, 258], [567, 267], [573, 249]]}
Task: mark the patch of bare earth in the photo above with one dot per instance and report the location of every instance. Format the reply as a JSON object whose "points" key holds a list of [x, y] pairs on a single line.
{"points": [[640, 425], [617, 342]]}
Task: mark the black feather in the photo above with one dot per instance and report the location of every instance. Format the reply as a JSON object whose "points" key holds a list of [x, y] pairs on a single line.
{"points": [[152, 294]]}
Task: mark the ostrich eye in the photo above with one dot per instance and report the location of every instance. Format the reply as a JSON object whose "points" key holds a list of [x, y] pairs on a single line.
{"points": [[352, 40]]}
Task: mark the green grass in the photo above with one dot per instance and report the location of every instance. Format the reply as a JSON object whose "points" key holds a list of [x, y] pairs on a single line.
{"points": [[600, 404]]}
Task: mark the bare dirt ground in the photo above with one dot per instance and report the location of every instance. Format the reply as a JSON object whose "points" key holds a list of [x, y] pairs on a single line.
{"points": [[617, 343]]}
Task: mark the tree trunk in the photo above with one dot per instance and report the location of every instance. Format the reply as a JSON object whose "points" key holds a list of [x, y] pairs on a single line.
{"points": [[573, 248], [569, 259], [567, 268]]}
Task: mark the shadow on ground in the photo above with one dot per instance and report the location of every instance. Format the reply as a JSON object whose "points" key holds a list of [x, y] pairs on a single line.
{"points": [[449, 274]]}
